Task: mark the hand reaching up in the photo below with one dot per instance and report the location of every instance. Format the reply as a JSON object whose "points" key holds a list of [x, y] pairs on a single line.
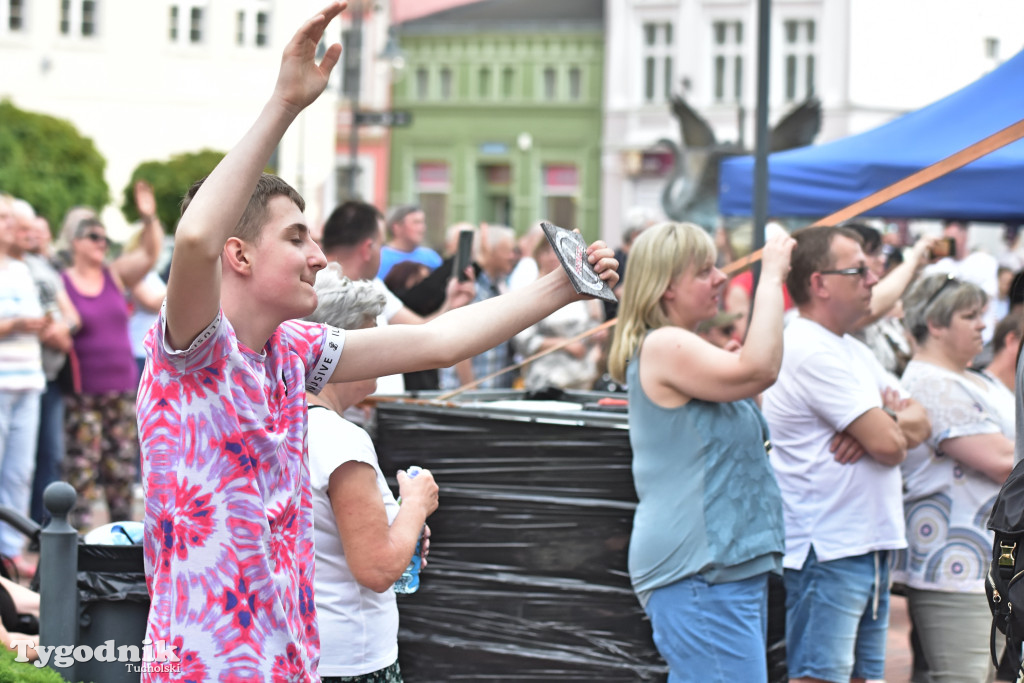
{"points": [[145, 202], [778, 249], [301, 79]]}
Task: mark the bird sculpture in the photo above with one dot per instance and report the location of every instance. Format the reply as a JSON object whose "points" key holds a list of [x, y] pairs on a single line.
{"points": [[691, 193]]}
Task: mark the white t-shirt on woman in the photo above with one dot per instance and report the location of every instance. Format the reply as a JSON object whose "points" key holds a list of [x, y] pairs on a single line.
{"points": [[358, 626]]}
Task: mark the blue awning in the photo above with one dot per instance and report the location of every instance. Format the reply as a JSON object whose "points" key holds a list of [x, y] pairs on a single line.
{"points": [[816, 181]]}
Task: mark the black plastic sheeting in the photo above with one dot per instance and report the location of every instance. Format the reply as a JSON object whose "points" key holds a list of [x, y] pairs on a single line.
{"points": [[527, 576], [111, 573]]}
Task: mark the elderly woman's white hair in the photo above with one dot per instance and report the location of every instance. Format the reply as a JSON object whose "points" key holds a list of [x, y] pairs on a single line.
{"points": [[345, 303], [490, 237]]}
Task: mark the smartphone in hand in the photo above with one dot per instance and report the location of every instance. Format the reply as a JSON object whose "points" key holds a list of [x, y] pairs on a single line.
{"points": [[944, 247], [463, 255]]}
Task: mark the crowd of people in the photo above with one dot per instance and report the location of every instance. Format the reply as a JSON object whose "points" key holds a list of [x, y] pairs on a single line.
{"points": [[884, 456], [844, 425]]}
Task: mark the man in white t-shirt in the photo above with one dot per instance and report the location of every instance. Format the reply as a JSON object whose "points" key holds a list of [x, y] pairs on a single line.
{"points": [[839, 431]]}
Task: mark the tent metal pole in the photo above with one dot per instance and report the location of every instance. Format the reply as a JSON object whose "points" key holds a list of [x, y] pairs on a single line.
{"points": [[764, 12]]}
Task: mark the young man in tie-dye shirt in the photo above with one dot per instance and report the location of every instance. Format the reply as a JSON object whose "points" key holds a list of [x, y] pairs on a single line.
{"points": [[222, 410]]}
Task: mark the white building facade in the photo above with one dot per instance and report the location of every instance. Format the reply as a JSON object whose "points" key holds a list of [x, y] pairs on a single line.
{"points": [[868, 61], [147, 79]]}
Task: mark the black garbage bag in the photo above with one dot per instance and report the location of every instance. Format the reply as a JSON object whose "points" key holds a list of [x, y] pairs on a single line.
{"points": [[111, 573]]}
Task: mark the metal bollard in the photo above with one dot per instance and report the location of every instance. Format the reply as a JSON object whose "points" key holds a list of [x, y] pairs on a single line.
{"points": [[58, 572]]}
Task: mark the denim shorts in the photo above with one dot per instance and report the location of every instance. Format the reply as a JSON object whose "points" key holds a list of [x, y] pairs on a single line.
{"points": [[712, 633], [837, 617]]}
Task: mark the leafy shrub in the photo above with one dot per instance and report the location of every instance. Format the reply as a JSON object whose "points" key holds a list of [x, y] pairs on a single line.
{"points": [[24, 672], [48, 163], [170, 180]]}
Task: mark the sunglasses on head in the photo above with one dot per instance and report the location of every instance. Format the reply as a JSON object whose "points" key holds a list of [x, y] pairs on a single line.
{"points": [[950, 280]]}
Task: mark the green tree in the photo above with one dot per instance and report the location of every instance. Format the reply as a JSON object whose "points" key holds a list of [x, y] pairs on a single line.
{"points": [[170, 180], [48, 163]]}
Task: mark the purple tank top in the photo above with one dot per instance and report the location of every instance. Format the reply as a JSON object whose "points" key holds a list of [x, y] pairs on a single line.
{"points": [[103, 348]]}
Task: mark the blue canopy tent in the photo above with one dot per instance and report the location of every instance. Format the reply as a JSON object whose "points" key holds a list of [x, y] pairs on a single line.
{"points": [[816, 181]]}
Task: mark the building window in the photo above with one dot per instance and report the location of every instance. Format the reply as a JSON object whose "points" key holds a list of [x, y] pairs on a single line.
{"points": [[16, 16], [88, 18], [798, 56], [195, 26], [446, 83], [262, 29], [550, 83], [433, 185], [252, 23], [172, 24], [575, 83], [561, 187], [78, 18], [194, 31], [508, 82], [422, 83], [484, 83], [496, 199], [727, 57], [991, 44], [657, 56]]}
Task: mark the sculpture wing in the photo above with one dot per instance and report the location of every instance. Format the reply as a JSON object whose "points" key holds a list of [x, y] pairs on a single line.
{"points": [[695, 131], [799, 127]]}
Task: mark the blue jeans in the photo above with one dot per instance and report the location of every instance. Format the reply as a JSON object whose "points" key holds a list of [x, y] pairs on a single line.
{"points": [[712, 633], [19, 429], [837, 617], [50, 448]]}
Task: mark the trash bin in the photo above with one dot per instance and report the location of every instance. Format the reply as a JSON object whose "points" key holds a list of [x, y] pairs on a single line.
{"points": [[90, 596], [113, 604]]}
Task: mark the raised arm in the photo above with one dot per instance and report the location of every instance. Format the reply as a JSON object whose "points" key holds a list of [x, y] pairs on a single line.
{"points": [[131, 266], [890, 288], [463, 332], [691, 367], [149, 294], [193, 293]]}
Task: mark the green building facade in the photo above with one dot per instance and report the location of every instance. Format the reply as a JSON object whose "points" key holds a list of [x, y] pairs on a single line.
{"points": [[506, 100]]}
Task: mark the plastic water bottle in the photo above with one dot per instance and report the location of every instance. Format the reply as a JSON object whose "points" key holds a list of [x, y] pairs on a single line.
{"points": [[409, 581]]}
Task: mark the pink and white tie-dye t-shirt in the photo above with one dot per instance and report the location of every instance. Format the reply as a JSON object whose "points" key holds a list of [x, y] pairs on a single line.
{"points": [[229, 528]]}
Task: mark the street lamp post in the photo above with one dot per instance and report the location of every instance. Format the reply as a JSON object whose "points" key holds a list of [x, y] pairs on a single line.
{"points": [[351, 87], [352, 83]]}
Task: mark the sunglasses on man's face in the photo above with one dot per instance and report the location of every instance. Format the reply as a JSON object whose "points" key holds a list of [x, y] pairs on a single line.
{"points": [[858, 271], [96, 237]]}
